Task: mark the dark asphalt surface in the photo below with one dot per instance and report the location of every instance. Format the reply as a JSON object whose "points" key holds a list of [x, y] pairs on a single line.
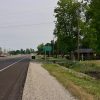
{"points": [[12, 79]]}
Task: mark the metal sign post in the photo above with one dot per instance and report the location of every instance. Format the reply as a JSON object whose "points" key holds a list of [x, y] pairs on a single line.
{"points": [[47, 48], [45, 54]]}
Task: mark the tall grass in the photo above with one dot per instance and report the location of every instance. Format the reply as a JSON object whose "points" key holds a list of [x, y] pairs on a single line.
{"points": [[83, 88]]}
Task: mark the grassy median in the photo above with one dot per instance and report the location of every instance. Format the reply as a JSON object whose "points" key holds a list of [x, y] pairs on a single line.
{"points": [[83, 87]]}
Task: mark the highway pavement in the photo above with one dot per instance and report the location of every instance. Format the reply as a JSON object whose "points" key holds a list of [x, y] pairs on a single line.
{"points": [[13, 73]]}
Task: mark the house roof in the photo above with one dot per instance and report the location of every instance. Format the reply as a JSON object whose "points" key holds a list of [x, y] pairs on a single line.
{"points": [[84, 51]]}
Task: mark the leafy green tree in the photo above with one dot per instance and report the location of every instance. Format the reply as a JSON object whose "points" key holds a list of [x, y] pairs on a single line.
{"points": [[40, 48], [66, 25], [22, 51], [28, 51], [0, 50], [87, 36], [73, 17], [31, 50], [94, 19]]}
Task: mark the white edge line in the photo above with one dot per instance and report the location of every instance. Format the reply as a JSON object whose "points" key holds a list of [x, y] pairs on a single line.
{"points": [[11, 65]]}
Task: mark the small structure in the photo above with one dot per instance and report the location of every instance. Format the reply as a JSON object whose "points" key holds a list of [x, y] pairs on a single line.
{"points": [[85, 54]]}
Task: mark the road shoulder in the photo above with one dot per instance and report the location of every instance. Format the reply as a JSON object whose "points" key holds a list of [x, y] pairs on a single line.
{"points": [[40, 85]]}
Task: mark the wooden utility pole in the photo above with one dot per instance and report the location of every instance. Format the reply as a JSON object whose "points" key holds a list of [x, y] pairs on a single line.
{"points": [[78, 33], [78, 53], [45, 54]]}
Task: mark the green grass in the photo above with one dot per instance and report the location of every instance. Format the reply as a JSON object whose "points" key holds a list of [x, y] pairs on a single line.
{"points": [[84, 88], [83, 67]]}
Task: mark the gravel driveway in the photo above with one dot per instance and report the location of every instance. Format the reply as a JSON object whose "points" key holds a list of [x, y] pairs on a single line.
{"points": [[40, 85]]}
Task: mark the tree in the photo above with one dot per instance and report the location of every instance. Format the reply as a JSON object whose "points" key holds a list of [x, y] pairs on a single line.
{"points": [[21, 51], [31, 50], [67, 22], [0, 50], [28, 51], [94, 19], [40, 48], [75, 25]]}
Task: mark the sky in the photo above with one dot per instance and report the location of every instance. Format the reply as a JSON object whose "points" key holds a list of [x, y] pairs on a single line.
{"points": [[26, 23]]}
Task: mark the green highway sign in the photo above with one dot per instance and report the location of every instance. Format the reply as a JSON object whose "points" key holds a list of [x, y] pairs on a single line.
{"points": [[48, 48]]}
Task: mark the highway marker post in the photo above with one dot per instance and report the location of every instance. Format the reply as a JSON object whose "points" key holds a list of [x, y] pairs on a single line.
{"points": [[47, 49]]}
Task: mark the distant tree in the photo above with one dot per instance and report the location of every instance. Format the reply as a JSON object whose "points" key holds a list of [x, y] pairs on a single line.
{"points": [[22, 51], [18, 52], [27, 51], [31, 50], [40, 48], [0, 50], [12, 52]]}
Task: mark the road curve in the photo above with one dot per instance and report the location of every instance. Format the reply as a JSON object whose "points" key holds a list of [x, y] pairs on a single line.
{"points": [[12, 77]]}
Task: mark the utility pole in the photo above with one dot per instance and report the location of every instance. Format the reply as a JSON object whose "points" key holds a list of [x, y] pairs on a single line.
{"points": [[78, 32], [78, 28], [45, 54], [52, 42], [78, 52], [53, 46]]}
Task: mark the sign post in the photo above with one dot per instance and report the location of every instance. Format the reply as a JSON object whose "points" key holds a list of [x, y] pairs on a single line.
{"points": [[47, 49], [45, 54]]}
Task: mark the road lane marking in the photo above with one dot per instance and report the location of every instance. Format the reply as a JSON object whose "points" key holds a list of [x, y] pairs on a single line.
{"points": [[11, 64]]}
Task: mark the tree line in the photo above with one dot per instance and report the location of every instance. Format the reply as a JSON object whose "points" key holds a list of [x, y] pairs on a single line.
{"points": [[21, 51], [41, 48], [77, 26]]}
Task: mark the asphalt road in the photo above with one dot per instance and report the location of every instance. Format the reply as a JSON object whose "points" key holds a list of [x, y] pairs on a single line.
{"points": [[13, 73]]}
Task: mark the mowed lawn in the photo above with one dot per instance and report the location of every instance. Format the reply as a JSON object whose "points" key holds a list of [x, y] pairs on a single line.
{"points": [[82, 86]]}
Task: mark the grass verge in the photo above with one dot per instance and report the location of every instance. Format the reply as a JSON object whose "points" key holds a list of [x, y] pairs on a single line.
{"points": [[84, 88], [82, 66], [91, 68]]}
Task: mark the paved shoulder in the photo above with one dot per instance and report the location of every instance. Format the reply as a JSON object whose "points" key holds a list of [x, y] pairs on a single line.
{"points": [[40, 85]]}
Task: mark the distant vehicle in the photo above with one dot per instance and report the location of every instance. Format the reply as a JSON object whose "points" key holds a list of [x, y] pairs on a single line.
{"points": [[3, 55]]}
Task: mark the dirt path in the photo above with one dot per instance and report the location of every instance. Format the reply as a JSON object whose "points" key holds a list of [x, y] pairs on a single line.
{"points": [[40, 85]]}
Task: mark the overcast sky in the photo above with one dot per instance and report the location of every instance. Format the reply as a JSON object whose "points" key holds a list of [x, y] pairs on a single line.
{"points": [[26, 23]]}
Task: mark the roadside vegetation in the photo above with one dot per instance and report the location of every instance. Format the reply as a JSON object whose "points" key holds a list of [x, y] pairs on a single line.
{"points": [[80, 85], [92, 68], [77, 26], [21, 51]]}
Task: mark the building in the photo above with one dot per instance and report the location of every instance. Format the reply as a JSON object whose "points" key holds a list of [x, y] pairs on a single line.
{"points": [[85, 54]]}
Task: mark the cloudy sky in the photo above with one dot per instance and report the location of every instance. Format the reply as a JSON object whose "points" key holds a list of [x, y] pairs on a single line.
{"points": [[26, 23]]}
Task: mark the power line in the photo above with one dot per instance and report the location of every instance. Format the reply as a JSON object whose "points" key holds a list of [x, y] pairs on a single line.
{"points": [[27, 25], [21, 13], [16, 14]]}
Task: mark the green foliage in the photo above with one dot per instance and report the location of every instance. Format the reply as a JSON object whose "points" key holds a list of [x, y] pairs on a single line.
{"points": [[21, 51], [48, 47], [70, 20], [95, 20], [40, 48], [0, 51], [66, 22], [82, 66], [67, 78]]}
